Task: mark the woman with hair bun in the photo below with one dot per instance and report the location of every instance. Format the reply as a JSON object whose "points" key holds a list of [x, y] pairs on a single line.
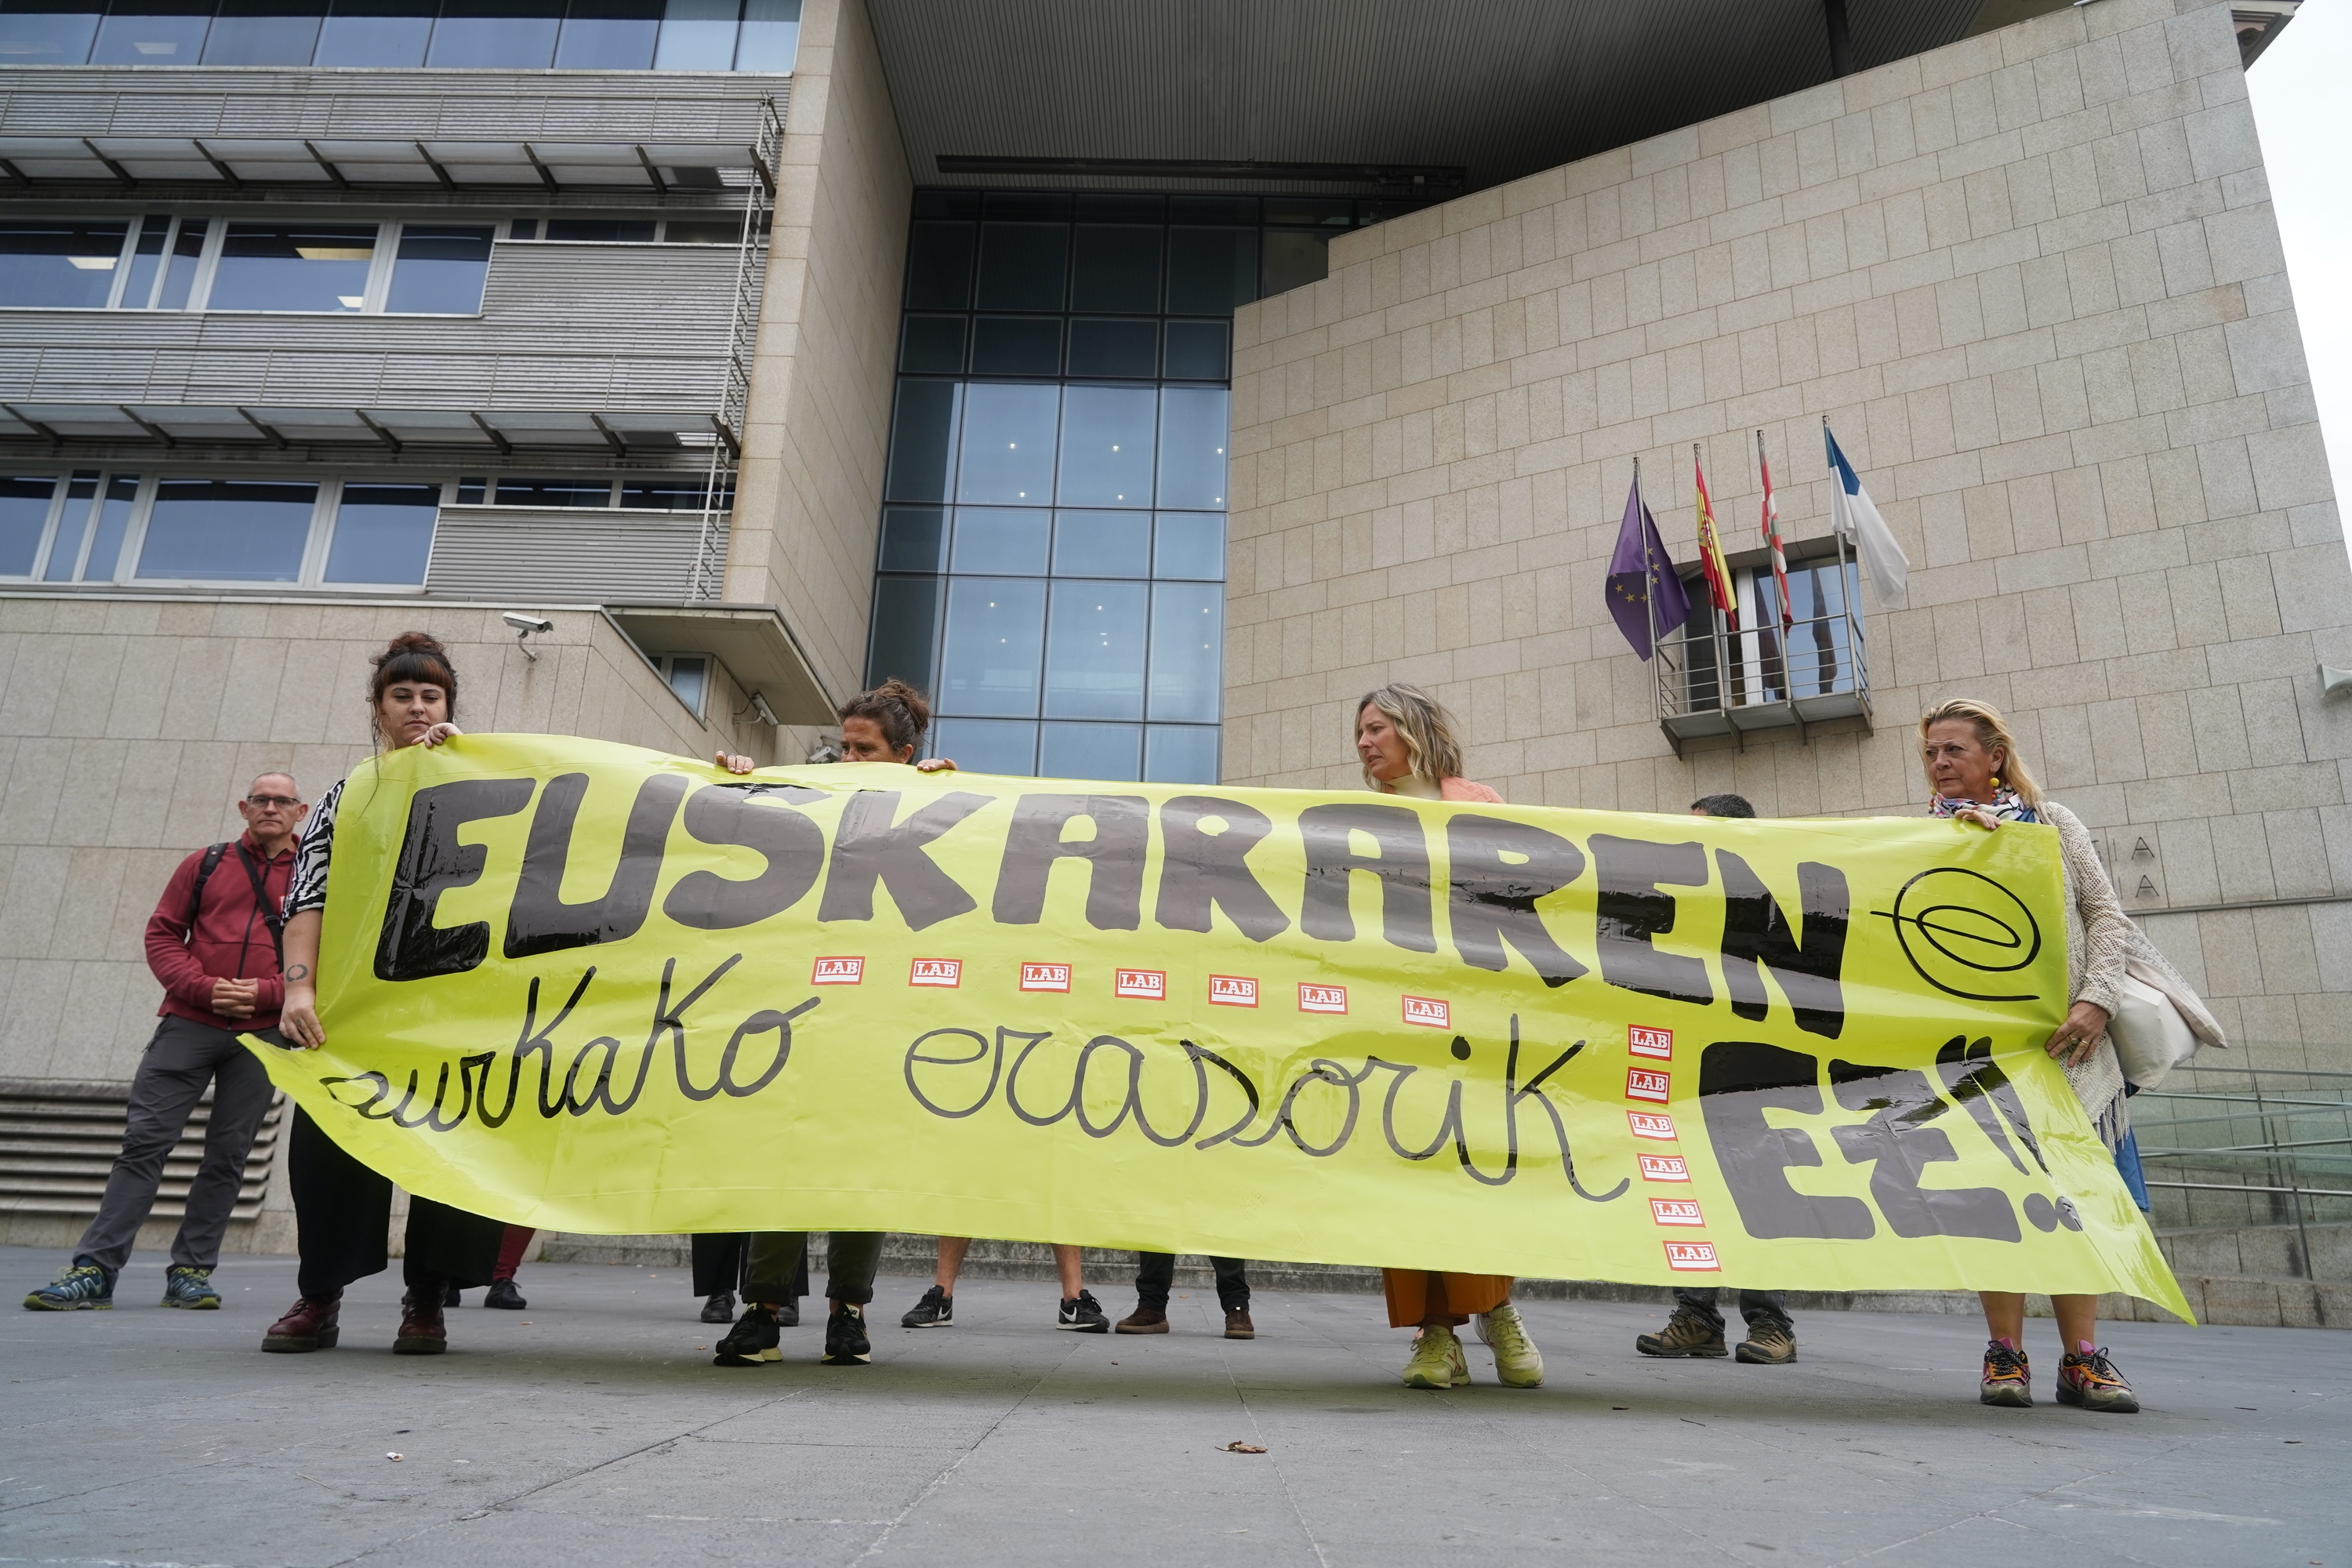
{"points": [[1407, 745]]}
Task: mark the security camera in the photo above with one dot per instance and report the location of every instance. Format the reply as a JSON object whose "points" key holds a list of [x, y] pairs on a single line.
{"points": [[525, 625], [767, 714]]}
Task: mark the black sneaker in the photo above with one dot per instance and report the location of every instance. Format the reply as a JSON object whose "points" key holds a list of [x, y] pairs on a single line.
{"points": [[502, 1293], [752, 1341], [83, 1288], [720, 1308], [452, 1297], [788, 1313], [935, 1311], [1083, 1315], [190, 1288], [845, 1344]]}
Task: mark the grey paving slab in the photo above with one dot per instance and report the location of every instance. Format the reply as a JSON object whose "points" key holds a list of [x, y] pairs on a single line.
{"points": [[592, 1429]]}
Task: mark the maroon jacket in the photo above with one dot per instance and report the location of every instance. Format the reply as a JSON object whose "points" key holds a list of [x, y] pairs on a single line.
{"points": [[231, 941]]}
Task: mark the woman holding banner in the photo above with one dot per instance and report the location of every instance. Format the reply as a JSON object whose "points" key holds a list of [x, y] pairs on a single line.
{"points": [[1977, 775], [1407, 745]]}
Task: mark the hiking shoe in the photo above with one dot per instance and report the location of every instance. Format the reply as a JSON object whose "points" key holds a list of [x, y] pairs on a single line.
{"points": [[1144, 1321], [845, 1344], [1436, 1361], [1768, 1344], [190, 1288], [422, 1329], [2089, 1378], [2007, 1378], [1517, 1363], [753, 1339], [1238, 1325], [309, 1324], [504, 1294], [1083, 1314], [82, 1288], [935, 1311], [453, 1296], [1685, 1333], [720, 1308]]}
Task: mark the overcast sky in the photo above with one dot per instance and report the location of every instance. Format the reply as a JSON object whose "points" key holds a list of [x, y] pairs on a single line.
{"points": [[2302, 89]]}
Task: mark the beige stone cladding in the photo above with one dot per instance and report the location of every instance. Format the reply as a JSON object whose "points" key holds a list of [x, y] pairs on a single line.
{"points": [[129, 727], [809, 495], [2034, 280]]}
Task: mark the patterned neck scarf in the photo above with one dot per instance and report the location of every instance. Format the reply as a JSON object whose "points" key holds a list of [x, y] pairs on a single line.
{"points": [[2005, 804]]}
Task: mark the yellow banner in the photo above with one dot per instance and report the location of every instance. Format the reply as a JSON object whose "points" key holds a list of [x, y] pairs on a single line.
{"points": [[592, 988]]}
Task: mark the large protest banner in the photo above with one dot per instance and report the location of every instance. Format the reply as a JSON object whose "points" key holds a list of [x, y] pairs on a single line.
{"points": [[592, 988]]}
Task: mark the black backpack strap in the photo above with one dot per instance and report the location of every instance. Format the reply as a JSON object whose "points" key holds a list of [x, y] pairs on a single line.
{"points": [[204, 870], [270, 915]]}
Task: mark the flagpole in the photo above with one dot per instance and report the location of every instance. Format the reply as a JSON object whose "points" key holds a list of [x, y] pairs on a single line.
{"points": [[1845, 588], [1720, 648], [1650, 601]]}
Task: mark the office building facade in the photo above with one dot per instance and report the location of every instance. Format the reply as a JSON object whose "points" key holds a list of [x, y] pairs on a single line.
{"points": [[1145, 381]]}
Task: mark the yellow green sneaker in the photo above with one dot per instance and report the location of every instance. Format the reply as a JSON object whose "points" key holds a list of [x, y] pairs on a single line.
{"points": [[1517, 1363], [1436, 1361]]}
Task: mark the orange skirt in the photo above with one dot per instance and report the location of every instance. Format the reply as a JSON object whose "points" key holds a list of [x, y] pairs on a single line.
{"points": [[1417, 1295]]}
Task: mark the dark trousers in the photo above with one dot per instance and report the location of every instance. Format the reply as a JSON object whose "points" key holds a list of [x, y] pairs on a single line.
{"points": [[1755, 1306], [719, 1259], [343, 1213], [1155, 1271], [183, 1057], [778, 1256]]}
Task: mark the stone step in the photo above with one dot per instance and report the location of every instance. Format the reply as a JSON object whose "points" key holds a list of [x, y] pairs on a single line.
{"points": [[2265, 1251], [2233, 1299]]}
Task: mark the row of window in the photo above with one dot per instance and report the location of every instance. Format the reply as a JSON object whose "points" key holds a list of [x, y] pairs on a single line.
{"points": [[1156, 753], [1011, 542], [515, 35], [95, 526], [1108, 347], [166, 263], [1030, 444]]}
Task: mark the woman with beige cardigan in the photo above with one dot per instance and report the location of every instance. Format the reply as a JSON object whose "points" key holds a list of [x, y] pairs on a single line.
{"points": [[1406, 742], [1976, 777]]}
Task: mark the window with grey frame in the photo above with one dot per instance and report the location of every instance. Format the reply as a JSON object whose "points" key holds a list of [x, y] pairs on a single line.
{"points": [[1052, 540]]}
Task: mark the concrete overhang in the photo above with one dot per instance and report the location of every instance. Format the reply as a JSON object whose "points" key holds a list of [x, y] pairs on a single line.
{"points": [[1495, 89], [751, 640]]}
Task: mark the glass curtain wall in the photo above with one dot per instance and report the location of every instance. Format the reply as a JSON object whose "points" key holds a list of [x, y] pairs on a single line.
{"points": [[1053, 542]]}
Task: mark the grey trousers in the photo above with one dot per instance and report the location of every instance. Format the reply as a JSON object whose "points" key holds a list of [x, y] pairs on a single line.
{"points": [[183, 1058]]}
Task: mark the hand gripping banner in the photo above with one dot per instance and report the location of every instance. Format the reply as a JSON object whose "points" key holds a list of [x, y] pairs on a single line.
{"points": [[592, 988]]}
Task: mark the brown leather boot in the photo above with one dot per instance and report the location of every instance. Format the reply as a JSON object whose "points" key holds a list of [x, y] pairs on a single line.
{"points": [[309, 1324], [1238, 1325], [1143, 1320], [422, 1331]]}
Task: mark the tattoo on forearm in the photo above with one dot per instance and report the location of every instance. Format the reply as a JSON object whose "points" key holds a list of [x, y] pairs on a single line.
{"points": [[299, 972]]}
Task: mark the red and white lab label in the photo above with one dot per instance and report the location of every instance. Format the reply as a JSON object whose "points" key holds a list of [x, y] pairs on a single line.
{"points": [[1651, 1124], [1663, 1167], [1693, 1257], [1641, 1083], [1143, 984], [1428, 1012], [947, 972], [1675, 1211], [1658, 1043], [1322, 998], [1045, 977], [837, 972], [1233, 990]]}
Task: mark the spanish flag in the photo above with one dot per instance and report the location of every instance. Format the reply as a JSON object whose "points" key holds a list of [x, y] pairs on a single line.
{"points": [[1710, 551]]}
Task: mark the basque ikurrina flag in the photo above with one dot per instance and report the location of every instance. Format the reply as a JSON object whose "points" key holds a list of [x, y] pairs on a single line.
{"points": [[1646, 592], [1710, 549]]}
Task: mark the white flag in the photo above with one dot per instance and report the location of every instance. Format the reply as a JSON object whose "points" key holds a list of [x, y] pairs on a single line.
{"points": [[1855, 518]]}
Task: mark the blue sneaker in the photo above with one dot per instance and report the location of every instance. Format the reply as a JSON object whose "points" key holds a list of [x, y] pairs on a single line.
{"points": [[83, 1288], [190, 1288]]}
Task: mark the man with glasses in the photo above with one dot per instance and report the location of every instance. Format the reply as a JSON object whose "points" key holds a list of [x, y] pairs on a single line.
{"points": [[213, 942]]}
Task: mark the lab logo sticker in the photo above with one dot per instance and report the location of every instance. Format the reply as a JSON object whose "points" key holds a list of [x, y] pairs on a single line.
{"points": [[1322, 998], [839, 971], [1045, 977], [1233, 990], [1641, 1083], [1428, 1012], [1689, 1255], [1144, 984], [1651, 1124], [1663, 1167], [947, 972], [1675, 1211], [1658, 1043]]}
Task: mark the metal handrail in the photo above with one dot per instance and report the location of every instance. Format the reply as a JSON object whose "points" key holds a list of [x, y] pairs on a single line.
{"points": [[1681, 688], [2276, 1154]]}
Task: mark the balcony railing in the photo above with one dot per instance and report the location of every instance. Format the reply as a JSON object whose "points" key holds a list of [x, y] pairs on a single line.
{"points": [[1713, 678]]}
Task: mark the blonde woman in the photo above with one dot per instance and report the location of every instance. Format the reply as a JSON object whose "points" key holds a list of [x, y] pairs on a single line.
{"points": [[1977, 775], [1407, 746]]}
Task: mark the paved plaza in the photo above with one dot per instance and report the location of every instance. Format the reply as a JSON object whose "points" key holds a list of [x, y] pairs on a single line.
{"points": [[593, 1430]]}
